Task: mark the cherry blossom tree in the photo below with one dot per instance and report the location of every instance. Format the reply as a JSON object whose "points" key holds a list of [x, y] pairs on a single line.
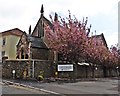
{"points": [[69, 37], [115, 54]]}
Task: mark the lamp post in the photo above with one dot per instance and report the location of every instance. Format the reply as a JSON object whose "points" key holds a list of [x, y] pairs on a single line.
{"points": [[117, 70], [96, 68], [13, 72]]}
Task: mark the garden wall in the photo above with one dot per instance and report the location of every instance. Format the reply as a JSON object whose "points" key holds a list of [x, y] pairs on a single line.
{"points": [[26, 68]]}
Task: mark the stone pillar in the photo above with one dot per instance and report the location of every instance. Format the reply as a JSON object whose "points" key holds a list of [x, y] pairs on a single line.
{"points": [[20, 54], [28, 66], [24, 54], [29, 51]]}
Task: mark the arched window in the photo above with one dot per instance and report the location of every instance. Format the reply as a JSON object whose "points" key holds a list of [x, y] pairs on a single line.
{"points": [[22, 54], [26, 56], [17, 57]]}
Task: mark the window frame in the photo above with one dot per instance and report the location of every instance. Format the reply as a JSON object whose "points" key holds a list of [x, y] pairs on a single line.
{"points": [[4, 41], [3, 53]]}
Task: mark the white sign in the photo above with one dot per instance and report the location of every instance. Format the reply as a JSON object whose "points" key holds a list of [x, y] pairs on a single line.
{"points": [[13, 71], [65, 67], [87, 64]]}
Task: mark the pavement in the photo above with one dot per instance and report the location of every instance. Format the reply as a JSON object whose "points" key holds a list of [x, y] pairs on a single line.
{"points": [[14, 82], [18, 90]]}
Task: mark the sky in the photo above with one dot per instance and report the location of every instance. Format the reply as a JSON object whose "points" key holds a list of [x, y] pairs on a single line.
{"points": [[102, 14]]}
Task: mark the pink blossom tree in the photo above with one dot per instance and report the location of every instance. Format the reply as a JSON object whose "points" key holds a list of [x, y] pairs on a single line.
{"points": [[69, 38]]}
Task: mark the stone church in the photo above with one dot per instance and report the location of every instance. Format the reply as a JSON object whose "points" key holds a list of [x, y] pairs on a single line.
{"points": [[34, 45]]}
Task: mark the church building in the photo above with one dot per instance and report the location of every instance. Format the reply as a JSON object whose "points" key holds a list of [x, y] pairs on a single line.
{"points": [[34, 45]]}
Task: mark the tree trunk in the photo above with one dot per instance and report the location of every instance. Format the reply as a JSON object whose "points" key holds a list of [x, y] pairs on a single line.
{"points": [[104, 71], [93, 71], [75, 72], [86, 71]]}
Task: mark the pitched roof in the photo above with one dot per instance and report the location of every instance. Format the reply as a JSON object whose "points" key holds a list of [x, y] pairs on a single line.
{"points": [[15, 31], [45, 20], [36, 42], [101, 36], [42, 18]]}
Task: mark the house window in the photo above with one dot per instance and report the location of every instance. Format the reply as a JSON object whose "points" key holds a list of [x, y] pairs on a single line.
{"points": [[4, 40], [3, 53]]}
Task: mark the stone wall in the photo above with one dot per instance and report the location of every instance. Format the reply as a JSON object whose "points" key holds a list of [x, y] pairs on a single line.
{"points": [[83, 71], [25, 68], [41, 54], [96, 71], [32, 68]]}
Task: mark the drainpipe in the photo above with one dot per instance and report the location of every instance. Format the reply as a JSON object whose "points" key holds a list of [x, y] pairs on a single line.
{"points": [[33, 69]]}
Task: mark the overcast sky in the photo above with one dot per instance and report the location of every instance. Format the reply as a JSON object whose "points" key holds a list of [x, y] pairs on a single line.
{"points": [[102, 14]]}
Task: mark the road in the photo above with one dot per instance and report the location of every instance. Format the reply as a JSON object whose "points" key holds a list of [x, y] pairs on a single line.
{"points": [[91, 87], [105, 86]]}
